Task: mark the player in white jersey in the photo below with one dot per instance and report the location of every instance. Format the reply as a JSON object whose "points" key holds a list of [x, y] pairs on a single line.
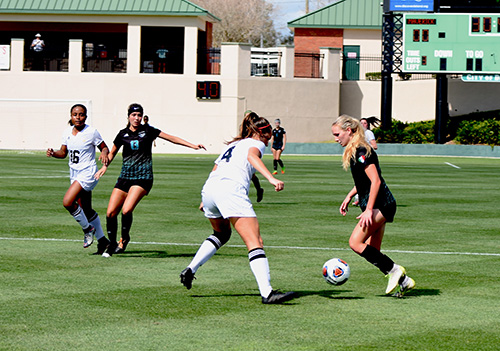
{"points": [[225, 202], [79, 142]]}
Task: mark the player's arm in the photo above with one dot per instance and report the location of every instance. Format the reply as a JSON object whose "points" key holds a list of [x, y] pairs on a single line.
{"points": [[366, 218], [179, 141], [284, 142], [61, 153], [344, 207], [104, 153], [373, 144], [254, 159]]}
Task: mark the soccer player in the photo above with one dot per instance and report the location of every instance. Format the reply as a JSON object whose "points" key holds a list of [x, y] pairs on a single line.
{"points": [[375, 200], [79, 141], [278, 146], [136, 177], [225, 202]]}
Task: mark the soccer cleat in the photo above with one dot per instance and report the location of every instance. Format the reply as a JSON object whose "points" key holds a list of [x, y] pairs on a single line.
{"points": [[394, 279], [276, 297], [260, 194], [122, 245], [88, 236], [187, 277], [275, 172], [406, 286], [110, 250], [102, 245], [282, 171]]}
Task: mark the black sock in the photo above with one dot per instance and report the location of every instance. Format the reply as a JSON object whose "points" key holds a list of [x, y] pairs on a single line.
{"points": [[112, 228], [378, 259], [126, 225], [281, 163], [275, 165]]}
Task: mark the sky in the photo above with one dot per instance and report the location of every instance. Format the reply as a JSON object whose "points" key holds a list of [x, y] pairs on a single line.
{"points": [[288, 10]]}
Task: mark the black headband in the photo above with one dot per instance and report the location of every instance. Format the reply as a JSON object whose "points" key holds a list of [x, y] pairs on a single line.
{"points": [[135, 108]]}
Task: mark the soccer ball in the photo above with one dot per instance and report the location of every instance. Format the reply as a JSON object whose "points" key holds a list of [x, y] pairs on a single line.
{"points": [[336, 271]]}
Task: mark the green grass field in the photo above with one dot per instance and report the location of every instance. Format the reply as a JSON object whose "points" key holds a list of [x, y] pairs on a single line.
{"points": [[54, 295]]}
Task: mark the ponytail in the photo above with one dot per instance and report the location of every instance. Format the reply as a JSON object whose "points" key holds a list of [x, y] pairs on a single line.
{"points": [[252, 125]]}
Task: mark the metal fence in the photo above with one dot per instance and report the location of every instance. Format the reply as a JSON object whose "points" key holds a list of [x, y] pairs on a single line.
{"points": [[369, 67]]}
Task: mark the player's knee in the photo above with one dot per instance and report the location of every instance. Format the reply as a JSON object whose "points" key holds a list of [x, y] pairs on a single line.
{"points": [[356, 246], [220, 238]]}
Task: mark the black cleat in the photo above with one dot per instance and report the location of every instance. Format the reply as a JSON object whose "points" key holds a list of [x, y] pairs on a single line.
{"points": [[276, 297], [110, 250], [187, 277], [122, 245], [102, 245]]}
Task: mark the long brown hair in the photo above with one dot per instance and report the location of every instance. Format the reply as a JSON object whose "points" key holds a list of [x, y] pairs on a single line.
{"points": [[252, 124], [357, 139]]}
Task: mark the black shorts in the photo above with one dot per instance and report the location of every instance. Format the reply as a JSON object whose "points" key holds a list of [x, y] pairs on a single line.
{"points": [[388, 211], [277, 146], [125, 184]]}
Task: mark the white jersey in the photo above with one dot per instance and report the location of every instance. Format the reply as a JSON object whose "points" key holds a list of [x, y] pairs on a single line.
{"points": [[232, 164], [81, 147], [369, 136]]}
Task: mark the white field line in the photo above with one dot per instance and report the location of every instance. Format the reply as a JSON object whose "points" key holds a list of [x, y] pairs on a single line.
{"points": [[452, 165], [273, 247]]}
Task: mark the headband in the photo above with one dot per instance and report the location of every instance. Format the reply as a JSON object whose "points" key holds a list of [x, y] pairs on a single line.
{"points": [[264, 127], [135, 108]]}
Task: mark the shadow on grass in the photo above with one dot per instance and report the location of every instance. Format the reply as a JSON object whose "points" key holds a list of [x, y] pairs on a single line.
{"points": [[165, 254], [329, 294], [416, 293]]}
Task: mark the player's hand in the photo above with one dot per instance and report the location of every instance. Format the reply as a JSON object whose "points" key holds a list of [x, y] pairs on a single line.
{"points": [[366, 218], [199, 147], [100, 173], [104, 158], [201, 207], [344, 207], [278, 184], [50, 152]]}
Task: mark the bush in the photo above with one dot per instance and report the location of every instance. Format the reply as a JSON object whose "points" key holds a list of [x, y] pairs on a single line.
{"points": [[479, 132]]}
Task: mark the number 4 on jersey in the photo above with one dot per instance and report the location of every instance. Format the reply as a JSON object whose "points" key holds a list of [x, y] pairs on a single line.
{"points": [[228, 154]]}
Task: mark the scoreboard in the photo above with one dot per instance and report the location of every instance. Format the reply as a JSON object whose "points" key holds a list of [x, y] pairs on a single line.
{"points": [[451, 43]]}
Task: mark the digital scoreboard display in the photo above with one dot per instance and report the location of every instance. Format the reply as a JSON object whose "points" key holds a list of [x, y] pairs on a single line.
{"points": [[208, 90], [451, 43]]}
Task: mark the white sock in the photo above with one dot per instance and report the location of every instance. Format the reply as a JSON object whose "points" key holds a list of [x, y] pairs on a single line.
{"points": [[394, 269], [80, 217], [260, 269], [204, 253], [406, 281], [99, 233]]}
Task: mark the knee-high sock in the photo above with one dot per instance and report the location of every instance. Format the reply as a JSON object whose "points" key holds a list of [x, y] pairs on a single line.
{"points": [[112, 228], [96, 222], [260, 269], [80, 217], [281, 163], [126, 225], [208, 248], [378, 259], [275, 165]]}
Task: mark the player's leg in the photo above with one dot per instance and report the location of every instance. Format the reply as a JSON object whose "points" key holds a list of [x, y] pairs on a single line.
{"points": [[135, 195], [275, 160], [70, 202], [280, 162], [220, 236], [115, 204], [85, 202], [248, 229]]}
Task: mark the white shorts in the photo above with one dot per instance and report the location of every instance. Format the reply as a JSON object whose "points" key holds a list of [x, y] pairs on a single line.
{"points": [[226, 199], [85, 177]]}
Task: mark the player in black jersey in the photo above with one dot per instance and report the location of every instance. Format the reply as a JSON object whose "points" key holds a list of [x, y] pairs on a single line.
{"points": [[278, 146], [136, 177], [375, 200]]}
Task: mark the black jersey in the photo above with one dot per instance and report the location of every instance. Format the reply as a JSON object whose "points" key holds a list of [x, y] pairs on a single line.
{"points": [[363, 183], [137, 156], [278, 134]]}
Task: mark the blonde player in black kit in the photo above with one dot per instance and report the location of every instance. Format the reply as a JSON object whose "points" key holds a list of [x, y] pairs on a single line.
{"points": [[375, 200], [136, 177]]}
